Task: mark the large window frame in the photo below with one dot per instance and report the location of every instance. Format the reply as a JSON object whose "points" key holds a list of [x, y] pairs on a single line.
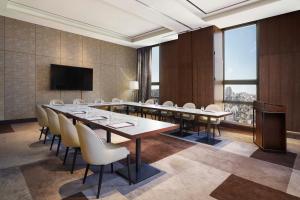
{"points": [[241, 82]]}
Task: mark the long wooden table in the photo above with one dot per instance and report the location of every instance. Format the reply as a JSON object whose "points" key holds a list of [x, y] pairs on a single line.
{"points": [[159, 108], [140, 128]]}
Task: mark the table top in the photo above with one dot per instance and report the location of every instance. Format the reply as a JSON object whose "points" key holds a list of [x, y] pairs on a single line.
{"points": [[137, 127], [214, 114]]}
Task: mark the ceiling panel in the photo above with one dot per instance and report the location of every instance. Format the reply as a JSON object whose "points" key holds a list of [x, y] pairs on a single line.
{"points": [[96, 13], [216, 5]]}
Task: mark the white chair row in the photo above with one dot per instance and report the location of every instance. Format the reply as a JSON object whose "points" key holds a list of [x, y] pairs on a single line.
{"points": [[95, 151]]}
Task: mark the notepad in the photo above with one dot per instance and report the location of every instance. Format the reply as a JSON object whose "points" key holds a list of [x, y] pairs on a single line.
{"points": [[78, 112], [93, 118], [121, 125]]}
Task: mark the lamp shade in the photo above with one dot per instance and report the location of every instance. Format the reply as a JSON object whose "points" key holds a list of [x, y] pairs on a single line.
{"points": [[133, 85]]}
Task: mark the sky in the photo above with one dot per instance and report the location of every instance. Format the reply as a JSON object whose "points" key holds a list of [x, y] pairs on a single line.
{"points": [[240, 56]]}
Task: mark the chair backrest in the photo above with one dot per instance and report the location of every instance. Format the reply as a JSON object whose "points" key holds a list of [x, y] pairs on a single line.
{"points": [[53, 122], [168, 103], [150, 101], [92, 148], [189, 105], [56, 102], [41, 116], [99, 101], [213, 107], [68, 132], [79, 101], [116, 100]]}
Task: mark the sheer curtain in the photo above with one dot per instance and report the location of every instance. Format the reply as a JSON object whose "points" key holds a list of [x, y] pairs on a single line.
{"points": [[144, 73]]}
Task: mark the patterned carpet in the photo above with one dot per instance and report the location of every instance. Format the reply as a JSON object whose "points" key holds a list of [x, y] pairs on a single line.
{"points": [[232, 169]]}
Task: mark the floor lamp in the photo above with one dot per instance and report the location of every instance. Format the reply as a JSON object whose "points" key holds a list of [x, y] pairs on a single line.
{"points": [[134, 86]]}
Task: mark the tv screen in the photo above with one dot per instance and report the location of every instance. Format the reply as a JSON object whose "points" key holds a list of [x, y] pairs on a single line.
{"points": [[71, 78]]}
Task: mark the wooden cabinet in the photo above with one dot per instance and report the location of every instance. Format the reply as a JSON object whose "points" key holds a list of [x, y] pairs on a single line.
{"points": [[269, 132]]}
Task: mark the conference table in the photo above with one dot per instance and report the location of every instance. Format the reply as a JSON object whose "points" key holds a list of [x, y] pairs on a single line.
{"points": [[179, 110], [131, 127]]}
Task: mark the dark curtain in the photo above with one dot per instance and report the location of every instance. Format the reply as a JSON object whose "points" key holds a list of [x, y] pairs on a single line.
{"points": [[144, 73]]}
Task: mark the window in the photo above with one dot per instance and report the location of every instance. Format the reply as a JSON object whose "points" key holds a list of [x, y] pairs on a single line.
{"points": [[155, 72], [240, 73]]}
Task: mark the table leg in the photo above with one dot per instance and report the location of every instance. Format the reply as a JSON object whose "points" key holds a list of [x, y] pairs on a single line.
{"points": [[142, 112], [139, 171], [208, 127], [74, 121], [127, 110], [108, 136], [181, 125]]}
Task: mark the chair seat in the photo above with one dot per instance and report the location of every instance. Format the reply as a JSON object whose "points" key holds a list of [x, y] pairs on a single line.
{"points": [[115, 152], [188, 117], [166, 113]]}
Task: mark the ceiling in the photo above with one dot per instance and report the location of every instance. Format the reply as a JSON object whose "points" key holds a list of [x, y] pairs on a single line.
{"points": [[138, 23]]}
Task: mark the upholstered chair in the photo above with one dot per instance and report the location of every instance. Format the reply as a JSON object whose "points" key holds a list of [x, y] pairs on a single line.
{"points": [[54, 127], [119, 109], [167, 114], [79, 101], [97, 152], [188, 116], [99, 101], [54, 102], [151, 112], [42, 118], [69, 137], [215, 122]]}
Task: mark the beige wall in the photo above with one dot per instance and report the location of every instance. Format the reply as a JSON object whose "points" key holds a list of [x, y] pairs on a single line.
{"points": [[26, 52]]}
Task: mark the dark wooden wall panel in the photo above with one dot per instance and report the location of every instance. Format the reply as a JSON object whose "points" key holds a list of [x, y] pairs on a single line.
{"points": [[168, 71], [203, 66], [185, 69], [279, 63]]}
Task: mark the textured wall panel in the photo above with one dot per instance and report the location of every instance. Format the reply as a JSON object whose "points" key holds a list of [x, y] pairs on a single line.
{"points": [[1, 85], [43, 92], [91, 51], [47, 41], [108, 77], [107, 53], [26, 80], [19, 36], [71, 47], [1, 33], [19, 85]]}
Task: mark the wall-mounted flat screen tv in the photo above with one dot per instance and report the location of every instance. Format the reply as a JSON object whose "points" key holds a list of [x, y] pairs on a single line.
{"points": [[71, 78]]}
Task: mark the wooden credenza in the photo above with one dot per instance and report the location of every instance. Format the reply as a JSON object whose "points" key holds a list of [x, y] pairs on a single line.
{"points": [[269, 131]]}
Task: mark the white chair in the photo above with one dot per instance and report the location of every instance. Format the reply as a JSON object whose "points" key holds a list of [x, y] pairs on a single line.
{"points": [[42, 121], [167, 114], [54, 127], [69, 137], [119, 109], [97, 152], [215, 122], [188, 117], [151, 112], [55, 102], [79, 101], [99, 101]]}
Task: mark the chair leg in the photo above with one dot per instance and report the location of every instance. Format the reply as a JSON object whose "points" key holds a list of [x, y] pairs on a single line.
{"points": [[46, 134], [42, 130], [74, 160], [57, 150], [112, 167], [218, 126], [199, 130], [66, 155], [100, 181], [53, 138], [128, 168], [85, 173]]}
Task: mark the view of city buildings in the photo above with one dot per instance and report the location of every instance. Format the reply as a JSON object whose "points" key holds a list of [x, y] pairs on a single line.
{"points": [[242, 113]]}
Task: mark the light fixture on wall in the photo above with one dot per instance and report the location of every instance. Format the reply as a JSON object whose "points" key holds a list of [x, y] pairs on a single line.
{"points": [[134, 86]]}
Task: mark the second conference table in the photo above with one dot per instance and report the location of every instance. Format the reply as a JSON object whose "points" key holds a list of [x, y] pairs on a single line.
{"points": [[180, 110], [131, 127]]}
